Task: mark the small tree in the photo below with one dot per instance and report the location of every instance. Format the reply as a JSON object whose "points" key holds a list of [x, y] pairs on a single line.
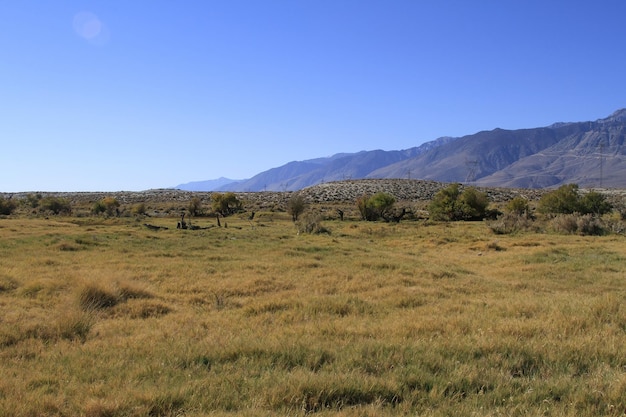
{"points": [[226, 204], [195, 207], [296, 206]]}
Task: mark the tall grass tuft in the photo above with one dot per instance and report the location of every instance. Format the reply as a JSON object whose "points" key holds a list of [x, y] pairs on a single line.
{"points": [[92, 296], [74, 325]]}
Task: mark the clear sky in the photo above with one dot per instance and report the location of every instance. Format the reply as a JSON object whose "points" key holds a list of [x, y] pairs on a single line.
{"points": [[130, 95]]}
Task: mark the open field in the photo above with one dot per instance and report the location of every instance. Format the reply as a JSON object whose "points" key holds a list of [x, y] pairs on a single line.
{"points": [[104, 317]]}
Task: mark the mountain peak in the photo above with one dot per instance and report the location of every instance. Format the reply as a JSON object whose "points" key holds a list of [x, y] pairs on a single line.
{"points": [[616, 116]]}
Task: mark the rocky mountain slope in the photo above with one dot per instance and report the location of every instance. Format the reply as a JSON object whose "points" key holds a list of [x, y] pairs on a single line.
{"points": [[590, 154]]}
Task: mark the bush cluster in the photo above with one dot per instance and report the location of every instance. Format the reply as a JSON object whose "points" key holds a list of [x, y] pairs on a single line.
{"points": [[55, 205], [511, 222], [450, 204], [108, 205], [375, 207], [582, 224], [7, 206], [567, 199]]}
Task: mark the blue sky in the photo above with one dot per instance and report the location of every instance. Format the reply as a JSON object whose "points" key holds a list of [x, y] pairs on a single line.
{"points": [[132, 95]]}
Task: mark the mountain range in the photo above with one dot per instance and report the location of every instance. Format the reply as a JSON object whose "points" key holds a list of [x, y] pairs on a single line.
{"points": [[590, 154]]}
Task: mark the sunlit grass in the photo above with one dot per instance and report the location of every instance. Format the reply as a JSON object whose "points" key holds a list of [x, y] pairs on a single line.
{"points": [[256, 319]]}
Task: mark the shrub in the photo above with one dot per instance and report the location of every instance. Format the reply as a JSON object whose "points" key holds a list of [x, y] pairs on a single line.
{"points": [[138, 209], [195, 207], [589, 225], [564, 223], [364, 208], [450, 204], [55, 205], [226, 204], [108, 205], [311, 223], [519, 205], [567, 200], [511, 222], [585, 224], [7, 206], [33, 200], [296, 206], [473, 204], [563, 200], [594, 203], [375, 207]]}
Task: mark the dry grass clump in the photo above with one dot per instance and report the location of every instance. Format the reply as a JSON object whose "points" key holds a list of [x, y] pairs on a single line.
{"points": [[311, 223], [7, 283], [94, 296], [511, 222], [74, 325]]}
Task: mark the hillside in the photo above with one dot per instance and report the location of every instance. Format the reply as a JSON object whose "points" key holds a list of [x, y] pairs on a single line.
{"points": [[590, 154]]}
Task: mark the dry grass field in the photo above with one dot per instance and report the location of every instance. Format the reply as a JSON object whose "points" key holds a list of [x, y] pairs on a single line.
{"points": [[105, 317]]}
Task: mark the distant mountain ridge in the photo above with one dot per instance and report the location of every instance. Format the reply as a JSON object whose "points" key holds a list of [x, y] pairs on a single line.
{"points": [[208, 185], [590, 154]]}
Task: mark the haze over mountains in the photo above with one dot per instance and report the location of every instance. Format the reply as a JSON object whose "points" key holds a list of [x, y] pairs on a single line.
{"points": [[590, 154]]}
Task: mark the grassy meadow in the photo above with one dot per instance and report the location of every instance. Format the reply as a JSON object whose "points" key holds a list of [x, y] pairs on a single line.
{"points": [[105, 317]]}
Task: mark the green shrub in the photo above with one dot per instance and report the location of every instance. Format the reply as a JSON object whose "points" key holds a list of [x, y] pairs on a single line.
{"points": [[33, 200], [108, 205], [450, 204], [519, 205], [226, 204], [563, 200], [375, 207], [55, 205], [594, 203], [567, 200], [473, 204]]}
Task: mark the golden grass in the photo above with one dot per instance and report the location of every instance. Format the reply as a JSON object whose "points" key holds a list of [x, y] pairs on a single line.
{"points": [[255, 319]]}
